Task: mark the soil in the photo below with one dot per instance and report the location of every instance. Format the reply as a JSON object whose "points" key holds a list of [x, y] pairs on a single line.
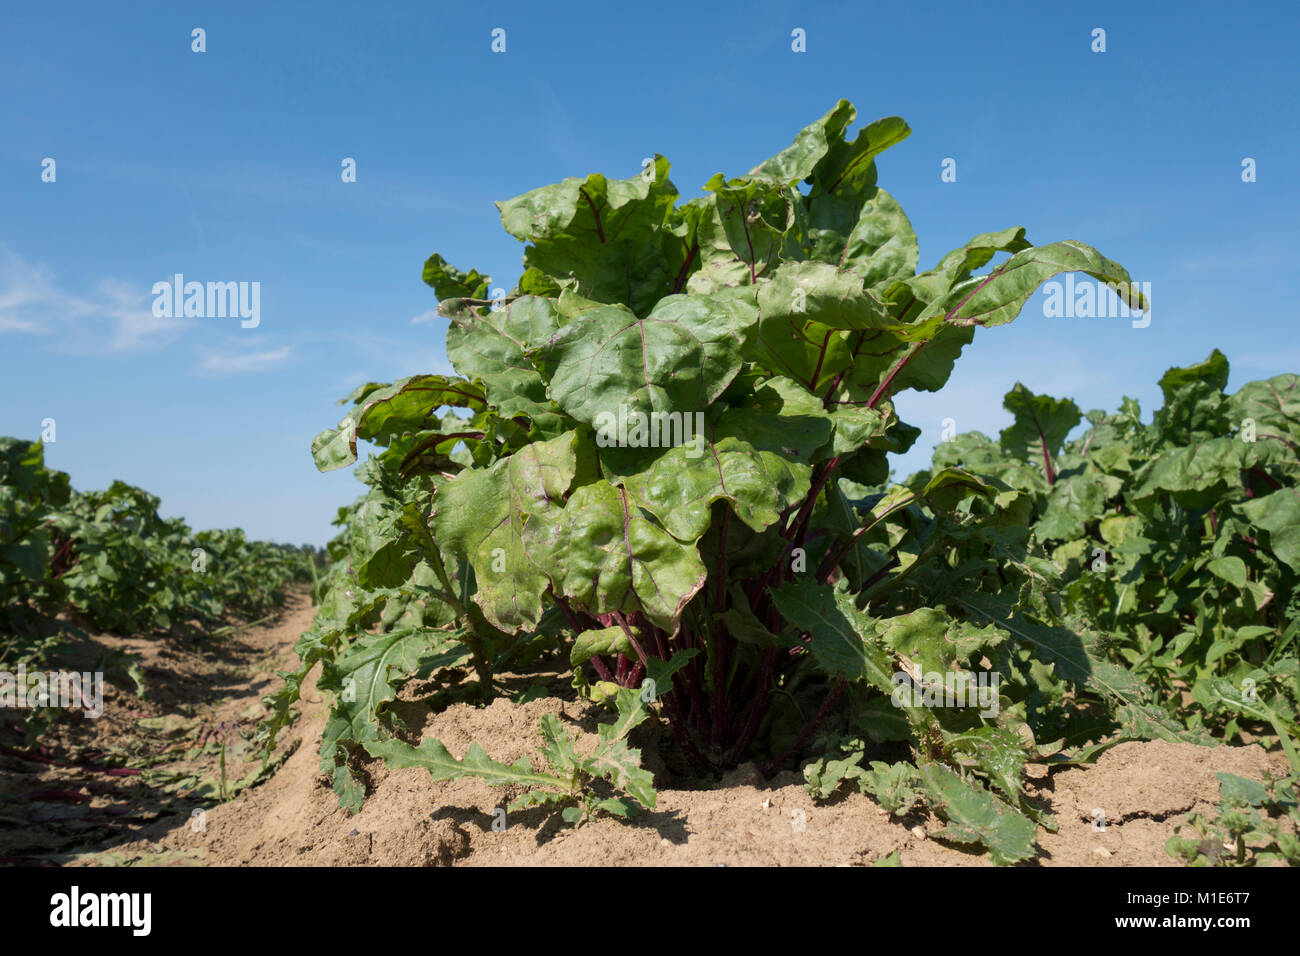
{"points": [[142, 785]]}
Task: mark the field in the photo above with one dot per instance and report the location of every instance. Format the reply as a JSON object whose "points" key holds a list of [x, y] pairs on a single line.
{"points": [[292, 819], [637, 583]]}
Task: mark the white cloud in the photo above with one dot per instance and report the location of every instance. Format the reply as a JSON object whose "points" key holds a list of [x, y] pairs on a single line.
{"points": [[423, 317], [114, 317], [10, 324], [249, 357]]}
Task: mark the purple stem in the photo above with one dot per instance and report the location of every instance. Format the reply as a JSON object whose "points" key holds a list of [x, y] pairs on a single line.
{"points": [[808, 731]]}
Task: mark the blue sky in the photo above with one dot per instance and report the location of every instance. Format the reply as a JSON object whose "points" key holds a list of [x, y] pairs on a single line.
{"points": [[225, 166]]}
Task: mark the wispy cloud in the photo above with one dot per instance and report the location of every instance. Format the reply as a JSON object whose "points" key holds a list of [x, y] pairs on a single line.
{"points": [[427, 316], [113, 317], [251, 356]]}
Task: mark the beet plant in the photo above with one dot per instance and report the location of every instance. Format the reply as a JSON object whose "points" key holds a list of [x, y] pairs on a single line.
{"points": [[669, 444], [1180, 539]]}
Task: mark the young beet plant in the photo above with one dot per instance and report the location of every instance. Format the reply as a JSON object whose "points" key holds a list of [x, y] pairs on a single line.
{"points": [[672, 444]]}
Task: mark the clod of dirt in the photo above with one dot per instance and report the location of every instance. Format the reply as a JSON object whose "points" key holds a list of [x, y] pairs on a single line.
{"points": [[746, 775]]}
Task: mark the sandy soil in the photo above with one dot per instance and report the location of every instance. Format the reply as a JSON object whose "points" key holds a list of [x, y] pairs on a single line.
{"points": [[68, 811]]}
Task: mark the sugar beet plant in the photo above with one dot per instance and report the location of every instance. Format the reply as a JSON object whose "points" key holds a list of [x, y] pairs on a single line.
{"points": [[667, 444], [1179, 540]]}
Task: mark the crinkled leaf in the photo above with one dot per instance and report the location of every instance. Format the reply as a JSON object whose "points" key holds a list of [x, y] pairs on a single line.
{"points": [[679, 358], [504, 520], [608, 557], [494, 347], [933, 641], [682, 485], [604, 237]]}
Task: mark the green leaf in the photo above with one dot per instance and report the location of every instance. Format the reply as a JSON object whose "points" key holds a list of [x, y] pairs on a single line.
{"points": [[933, 641], [825, 776], [1234, 789], [494, 348], [365, 675], [997, 752], [450, 283], [781, 417], [1042, 422], [505, 521], [681, 486], [365, 678], [1279, 515], [608, 557], [1075, 502], [882, 245], [842, 637], [1197, 474], [1272, 404], [807, 314], [755, 215], [559, 745], [336, 447], [679, 358], [894, 786], [617, 806], [432, 756], [539, 798], [659, 673], [811, 145], [1194, 406], [857, 428], [1076, 656], [405, 406], [620, 764], [948, 488], [606, 238], [606, 640], [998, 298], [977, 816], [1229, 568], [744, 626]]}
